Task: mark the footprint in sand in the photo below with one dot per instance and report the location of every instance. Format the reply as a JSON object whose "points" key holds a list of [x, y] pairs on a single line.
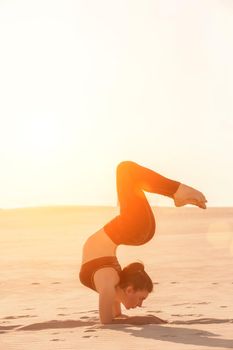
{"points": [[62, 314], [56, 339], [214, 282], [35, 283], [181, 315], [90, 336], [157, 311], [90, 330], [20, 316], [202, 303], [55, 282], [84, 312], [174, 282], [189, 315], [7, 328], [177, 315], [223, 306]]}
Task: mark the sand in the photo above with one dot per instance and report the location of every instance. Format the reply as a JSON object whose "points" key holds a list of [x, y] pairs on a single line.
{"points": [[44, 306]]}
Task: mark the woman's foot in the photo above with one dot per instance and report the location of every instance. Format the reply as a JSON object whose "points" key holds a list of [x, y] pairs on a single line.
{"points": [[188, 195]]}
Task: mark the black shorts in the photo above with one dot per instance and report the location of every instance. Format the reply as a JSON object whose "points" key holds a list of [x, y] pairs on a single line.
{"points": [[88, 269]]}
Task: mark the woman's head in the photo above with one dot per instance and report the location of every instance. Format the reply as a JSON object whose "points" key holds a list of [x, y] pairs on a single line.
{"points": [[134, 285]]}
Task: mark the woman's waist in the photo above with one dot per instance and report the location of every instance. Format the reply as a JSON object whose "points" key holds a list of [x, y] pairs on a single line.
{"points": [[108, 260], [97, 246]]}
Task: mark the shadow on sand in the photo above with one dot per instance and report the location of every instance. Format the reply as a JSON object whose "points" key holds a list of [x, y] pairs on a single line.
{"points": [[142, 326]]}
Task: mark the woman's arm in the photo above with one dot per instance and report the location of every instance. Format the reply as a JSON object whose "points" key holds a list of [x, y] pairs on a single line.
{"points": [[105, 280], [116, 309], [106, 302]]}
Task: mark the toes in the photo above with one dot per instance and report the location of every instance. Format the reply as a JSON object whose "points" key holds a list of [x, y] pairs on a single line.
{"points": [[203, 205]]}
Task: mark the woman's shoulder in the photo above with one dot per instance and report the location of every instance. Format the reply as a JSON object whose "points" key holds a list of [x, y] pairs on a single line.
{"points": [[106, 278]]}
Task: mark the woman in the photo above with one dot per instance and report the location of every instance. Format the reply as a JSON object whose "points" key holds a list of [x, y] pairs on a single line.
{"points": [[135, 225]]}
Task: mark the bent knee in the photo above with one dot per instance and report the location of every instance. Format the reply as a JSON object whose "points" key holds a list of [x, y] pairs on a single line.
{"points": [[125, 165]]}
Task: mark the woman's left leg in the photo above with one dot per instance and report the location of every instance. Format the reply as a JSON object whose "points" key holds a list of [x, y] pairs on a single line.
{"points": [[136, 224]]}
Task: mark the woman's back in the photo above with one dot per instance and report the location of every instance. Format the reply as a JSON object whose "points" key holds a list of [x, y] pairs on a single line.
{"points": [[98, 245]]}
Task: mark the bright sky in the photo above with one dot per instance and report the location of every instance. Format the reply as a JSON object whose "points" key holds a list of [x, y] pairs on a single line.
{"points": [[86, 84]]}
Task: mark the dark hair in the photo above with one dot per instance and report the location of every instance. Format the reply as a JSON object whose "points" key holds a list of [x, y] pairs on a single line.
{"points": [[135, 275]]}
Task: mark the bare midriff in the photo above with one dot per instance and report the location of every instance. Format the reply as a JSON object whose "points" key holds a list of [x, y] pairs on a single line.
{"points": [[97, 246]]}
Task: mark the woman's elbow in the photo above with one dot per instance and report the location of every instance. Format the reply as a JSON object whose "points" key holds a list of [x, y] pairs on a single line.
{"points": [[106, 321]]}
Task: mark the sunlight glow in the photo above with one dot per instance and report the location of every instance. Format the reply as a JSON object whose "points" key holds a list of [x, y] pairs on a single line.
{"points": [[37, 136], [219, 234], [80, 93]]}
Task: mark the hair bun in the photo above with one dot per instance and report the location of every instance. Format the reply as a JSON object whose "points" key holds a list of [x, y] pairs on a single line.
{"points": [[135, 275], [135, 267]]}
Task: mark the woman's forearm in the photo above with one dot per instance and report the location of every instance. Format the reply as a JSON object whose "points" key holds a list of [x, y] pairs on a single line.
{"points": [[138, 320], [116, 309]]}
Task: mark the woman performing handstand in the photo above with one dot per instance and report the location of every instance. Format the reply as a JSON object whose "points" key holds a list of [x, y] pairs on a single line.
{"points": [[135, 225]]}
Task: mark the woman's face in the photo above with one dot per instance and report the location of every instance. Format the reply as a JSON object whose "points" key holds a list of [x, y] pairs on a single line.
{"points": [[132, 298]]}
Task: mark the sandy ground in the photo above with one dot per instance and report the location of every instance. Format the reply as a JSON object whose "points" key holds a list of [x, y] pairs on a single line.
{"points": [[44, 306]]}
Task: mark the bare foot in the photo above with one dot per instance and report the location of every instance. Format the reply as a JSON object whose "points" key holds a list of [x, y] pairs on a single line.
{"points": [[188, 195]]}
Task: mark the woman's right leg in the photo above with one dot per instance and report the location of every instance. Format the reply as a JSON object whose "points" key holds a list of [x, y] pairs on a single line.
{"points": [[136, 224]]}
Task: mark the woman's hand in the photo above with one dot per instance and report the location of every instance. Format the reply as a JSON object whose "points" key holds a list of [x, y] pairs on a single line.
{"points": [[148, 319], [139, 320], [121, 316]]}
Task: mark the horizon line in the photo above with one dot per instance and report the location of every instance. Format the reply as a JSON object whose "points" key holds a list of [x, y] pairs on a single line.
{"points": [[104, 206]]}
